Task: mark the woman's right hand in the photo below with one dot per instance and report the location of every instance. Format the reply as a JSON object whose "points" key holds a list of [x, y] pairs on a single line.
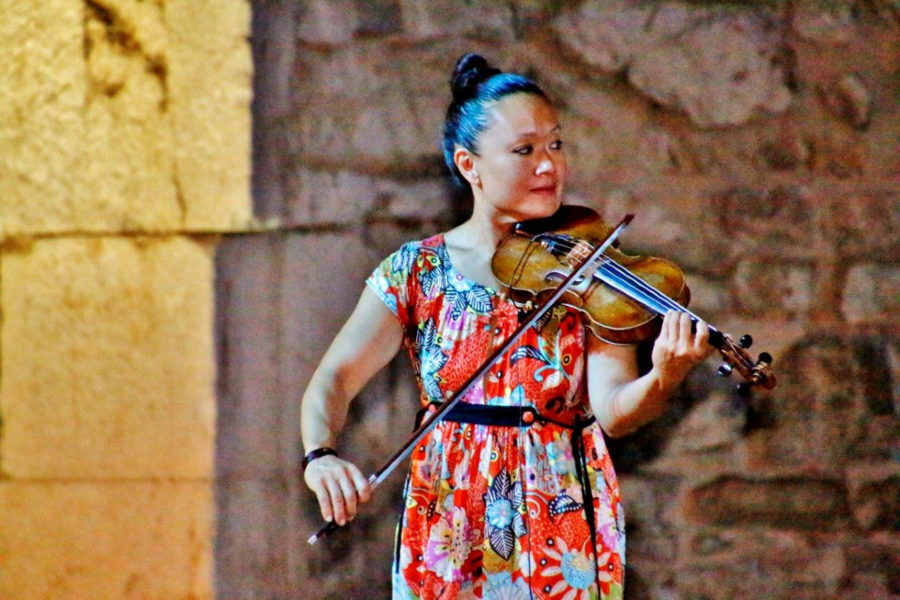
{"points": [[339, 486]]}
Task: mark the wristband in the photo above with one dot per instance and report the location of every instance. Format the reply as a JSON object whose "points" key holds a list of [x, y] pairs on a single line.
{"points": [[317, 453]]}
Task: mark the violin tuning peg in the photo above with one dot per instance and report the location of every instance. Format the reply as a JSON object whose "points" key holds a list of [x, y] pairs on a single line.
{"points": [[725, 369], [765, 358], [743, 389], [746, 341]]}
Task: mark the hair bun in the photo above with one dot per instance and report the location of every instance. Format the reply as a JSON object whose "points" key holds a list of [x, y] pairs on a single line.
{"points": [[471, 69]]}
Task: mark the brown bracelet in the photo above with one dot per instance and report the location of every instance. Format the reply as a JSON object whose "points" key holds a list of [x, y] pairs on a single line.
{"points": [[314, 454]]}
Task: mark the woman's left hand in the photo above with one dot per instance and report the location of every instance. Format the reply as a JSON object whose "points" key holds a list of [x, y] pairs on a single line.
{"points": [[677, 350]]}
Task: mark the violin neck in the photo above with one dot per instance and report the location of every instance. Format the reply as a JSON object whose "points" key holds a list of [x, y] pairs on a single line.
{"points": [[621, 280]]}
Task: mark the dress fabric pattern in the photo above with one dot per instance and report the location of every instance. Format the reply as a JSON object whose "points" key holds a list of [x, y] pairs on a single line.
{"points": [[494, 511]]}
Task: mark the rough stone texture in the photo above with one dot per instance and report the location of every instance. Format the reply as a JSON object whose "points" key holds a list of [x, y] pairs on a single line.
{"points": [[757, 145], [137, 539], [124, 141], [123, 115], [107, 369]]}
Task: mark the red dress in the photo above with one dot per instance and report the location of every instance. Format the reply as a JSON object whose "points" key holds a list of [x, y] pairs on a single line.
{"points": [[497, 511]]}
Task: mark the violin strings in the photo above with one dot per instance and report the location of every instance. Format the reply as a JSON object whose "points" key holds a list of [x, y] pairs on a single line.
{"points": [[628, 277]]}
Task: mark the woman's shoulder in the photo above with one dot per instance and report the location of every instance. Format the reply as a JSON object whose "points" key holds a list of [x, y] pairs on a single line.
{"points": [[407, 255]]}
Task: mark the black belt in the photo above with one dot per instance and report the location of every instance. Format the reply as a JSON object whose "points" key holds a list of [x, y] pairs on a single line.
{"points": [[499, 416], [525, 416]]}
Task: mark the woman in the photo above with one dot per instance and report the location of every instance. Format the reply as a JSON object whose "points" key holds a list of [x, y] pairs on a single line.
{"points": [[495, 505]]}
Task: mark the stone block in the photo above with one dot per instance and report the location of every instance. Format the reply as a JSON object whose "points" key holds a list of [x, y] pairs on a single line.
{"points": [[732, 80], [122, 116], [784, 221], [723, 562], [250, 404], [775, 290], [864, 222], [105, 540], [282, 300], [209, 75], [872, 293], [424, 19], [825, 409], [260, 540], [127, 151], [108, 365], [785, 503], [374, 106], [314, 196], [875, 495], [42, 100], [325, 22]]}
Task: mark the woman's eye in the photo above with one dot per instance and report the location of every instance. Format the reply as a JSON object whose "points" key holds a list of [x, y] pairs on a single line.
{"points": [[556, 145], [523, 150]]}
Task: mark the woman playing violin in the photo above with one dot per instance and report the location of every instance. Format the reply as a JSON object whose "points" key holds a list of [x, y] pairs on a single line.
{"points": [[495, 503]]}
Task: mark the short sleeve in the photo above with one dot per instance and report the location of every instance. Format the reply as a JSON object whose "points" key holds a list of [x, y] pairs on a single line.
{"points": [[393, 281]]}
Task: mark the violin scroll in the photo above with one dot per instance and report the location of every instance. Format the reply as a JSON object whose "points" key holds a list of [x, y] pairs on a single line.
{"points": [[757, 372]]}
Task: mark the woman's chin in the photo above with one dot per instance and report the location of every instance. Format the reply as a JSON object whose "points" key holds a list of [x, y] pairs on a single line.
{"points": [[546, 205]]}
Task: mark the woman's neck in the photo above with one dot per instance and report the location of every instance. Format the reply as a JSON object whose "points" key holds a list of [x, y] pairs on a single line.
{"points": [[484, 229]]}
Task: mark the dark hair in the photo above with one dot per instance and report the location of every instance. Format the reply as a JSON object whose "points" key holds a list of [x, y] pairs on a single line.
{"points": [[475, 85]]}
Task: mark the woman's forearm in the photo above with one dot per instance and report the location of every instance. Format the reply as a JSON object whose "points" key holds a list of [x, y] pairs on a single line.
{"points": [[634, 404], [323, 410]]}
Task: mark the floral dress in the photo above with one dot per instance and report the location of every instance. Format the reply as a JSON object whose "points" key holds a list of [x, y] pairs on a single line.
{"points": [[497, 511]]}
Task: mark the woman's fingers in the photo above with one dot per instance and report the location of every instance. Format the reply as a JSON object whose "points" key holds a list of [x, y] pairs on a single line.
{"points": [[337, 500], [701, 341], [363, 489], [684, 332], [349, 492], [670, 324], [324, 499], [339, 487]]}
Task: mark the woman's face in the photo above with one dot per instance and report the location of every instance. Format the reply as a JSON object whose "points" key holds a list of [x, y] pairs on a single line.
{"points": [[521, 166]]}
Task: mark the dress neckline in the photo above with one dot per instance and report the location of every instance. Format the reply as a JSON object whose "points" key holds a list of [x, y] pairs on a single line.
{"points": [[450, 267]]}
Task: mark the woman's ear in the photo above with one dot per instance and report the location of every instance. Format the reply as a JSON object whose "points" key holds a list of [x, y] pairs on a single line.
{"points": [[465, 162]]}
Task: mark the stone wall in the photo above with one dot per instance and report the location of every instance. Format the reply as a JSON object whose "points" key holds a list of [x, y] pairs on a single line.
{"points": [[124, 151], [757, 144]]}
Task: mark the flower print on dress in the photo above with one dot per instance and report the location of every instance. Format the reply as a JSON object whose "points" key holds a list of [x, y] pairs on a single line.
{"points": [[538, 472], [560, 354], [463, 294], [554, 378], [568, 500], [403, 260], [432, 274], [620, 530], [427, 349], [576, 567], [606, 525], [500, 586], [516, 397], [502, 514], [449, 545], [559, 453], [386, 292]]}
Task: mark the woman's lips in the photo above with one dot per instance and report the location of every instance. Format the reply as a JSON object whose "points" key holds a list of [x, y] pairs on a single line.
{"points": [[547, 189]]}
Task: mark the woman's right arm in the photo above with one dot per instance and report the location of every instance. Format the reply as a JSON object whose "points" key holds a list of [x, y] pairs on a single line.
{"points": [[366, 343]]}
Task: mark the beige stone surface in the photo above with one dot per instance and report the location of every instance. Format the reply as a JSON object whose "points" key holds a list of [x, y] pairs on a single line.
{"points": [[210, 85], [107, 359], [43, 84], [121, 115], [127, 165], [105, 540]]}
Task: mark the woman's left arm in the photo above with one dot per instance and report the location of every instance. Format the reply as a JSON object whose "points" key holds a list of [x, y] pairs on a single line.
{"points": [[623, 402]]}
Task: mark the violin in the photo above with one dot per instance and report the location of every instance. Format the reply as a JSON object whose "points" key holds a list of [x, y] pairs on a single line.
{"points": [[620, 297]]}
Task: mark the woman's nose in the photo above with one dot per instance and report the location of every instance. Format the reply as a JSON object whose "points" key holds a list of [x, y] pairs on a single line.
{"points": [[547, 165]]}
